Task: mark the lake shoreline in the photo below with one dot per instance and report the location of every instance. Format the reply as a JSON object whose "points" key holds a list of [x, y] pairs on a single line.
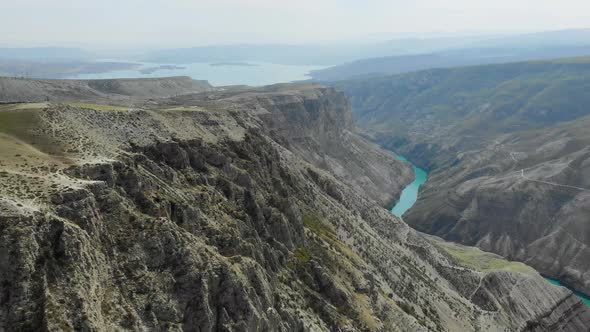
{"points": [[217, 73]]}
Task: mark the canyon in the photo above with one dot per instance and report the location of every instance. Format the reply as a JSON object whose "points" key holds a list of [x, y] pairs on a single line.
{"points": [[506, 146], [242, 209]]}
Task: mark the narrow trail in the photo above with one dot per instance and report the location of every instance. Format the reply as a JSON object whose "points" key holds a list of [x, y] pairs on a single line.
{"points": [[515, 160], [552, 183], [476, 288]]}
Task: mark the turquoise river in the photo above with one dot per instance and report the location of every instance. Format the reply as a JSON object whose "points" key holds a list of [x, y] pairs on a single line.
{"points": [[584, 297], [410, 195]]}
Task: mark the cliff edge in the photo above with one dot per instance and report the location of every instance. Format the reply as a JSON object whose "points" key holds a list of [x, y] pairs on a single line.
{"points": [[206, 213]]}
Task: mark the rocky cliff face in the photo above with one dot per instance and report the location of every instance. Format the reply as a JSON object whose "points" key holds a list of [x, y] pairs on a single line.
{"points": [[317, 125], [205, 216]]}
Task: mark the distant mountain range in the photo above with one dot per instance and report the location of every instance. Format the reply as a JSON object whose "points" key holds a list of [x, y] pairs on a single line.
{"points": [[352, 59], [446, 59], [428, 52], [485, 50], [44, 54]]}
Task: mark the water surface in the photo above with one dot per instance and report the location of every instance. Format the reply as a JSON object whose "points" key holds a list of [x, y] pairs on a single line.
{"points": [[582, 296], [218, 74], [410, 193]]}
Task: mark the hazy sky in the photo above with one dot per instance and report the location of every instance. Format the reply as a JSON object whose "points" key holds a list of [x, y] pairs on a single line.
{"points": [[196, 22]]}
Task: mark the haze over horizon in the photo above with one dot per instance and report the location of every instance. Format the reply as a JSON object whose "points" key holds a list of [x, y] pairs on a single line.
{"points": [[178, 23], [295, 165]]}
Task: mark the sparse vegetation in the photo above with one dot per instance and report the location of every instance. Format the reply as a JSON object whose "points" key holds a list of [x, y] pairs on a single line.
{"points": [[99, 107], [483, 261], [316, 225], [302, 255]]}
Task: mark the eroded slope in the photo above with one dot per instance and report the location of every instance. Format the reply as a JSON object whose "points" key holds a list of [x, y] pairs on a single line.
{"points": [[200, 217]]}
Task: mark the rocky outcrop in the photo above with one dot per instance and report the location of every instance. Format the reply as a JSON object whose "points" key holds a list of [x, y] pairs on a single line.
{"points": [[316, 123], [198, 217]]}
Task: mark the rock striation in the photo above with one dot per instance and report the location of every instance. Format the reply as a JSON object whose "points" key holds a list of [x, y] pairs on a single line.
{"points": [[208, 212]]}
